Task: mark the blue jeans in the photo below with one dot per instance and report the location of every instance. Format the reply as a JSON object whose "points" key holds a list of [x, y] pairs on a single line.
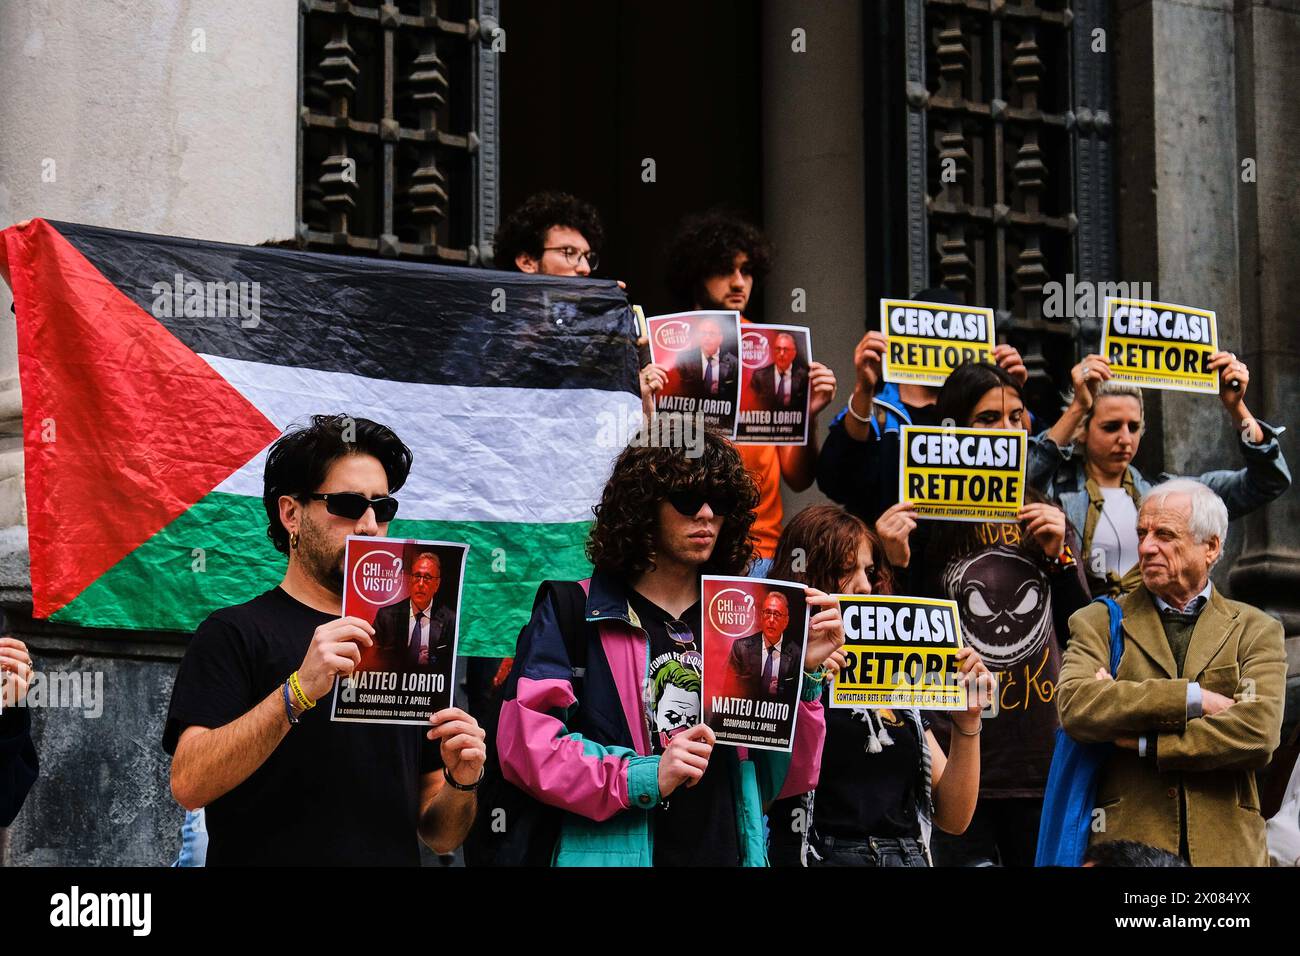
{"points": [[194, 840]]}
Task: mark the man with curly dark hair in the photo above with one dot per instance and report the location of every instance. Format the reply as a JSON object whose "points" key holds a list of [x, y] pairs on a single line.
{"points": [[582, 727], [552, 233], [714, 262]]}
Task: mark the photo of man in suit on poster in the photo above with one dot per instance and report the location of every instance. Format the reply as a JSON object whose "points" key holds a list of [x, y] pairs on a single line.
{"points": [[782, 385], [765, 665], [707, 371], [417, 633]]}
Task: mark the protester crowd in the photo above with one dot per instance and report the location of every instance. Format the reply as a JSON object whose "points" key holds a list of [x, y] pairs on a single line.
{"points": [[567, 755]]}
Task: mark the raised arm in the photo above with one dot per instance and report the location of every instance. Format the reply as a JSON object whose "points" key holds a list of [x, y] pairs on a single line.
{"points": [[210, 761]]}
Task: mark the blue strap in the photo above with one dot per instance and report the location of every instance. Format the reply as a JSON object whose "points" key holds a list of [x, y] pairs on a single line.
{"points": [[1116, 632], [895, 412]]}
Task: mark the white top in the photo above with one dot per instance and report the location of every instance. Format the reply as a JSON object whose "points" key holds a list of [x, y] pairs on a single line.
{"points": [[1115, 539]]}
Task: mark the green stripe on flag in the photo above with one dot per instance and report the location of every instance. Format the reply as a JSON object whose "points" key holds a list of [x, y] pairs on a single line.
{"points": [[160, 583]]}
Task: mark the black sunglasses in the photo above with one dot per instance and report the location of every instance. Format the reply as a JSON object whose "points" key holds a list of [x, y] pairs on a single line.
{"points": [[352, 505], [689, 503]]}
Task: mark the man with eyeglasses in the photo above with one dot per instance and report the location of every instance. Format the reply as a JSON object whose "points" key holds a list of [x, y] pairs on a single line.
{"points": [[552, 234], [764, 664], [249, 726], [783, 383], [413, 633], [600, 717]]}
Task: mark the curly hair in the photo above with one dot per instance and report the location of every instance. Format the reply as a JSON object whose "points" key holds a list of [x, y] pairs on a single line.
{"points": [[829, 538], [524, 230], [622, 539], [705, 246]]}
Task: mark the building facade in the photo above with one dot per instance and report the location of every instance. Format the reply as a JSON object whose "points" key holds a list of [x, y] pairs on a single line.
{"points": [[992, 147]]}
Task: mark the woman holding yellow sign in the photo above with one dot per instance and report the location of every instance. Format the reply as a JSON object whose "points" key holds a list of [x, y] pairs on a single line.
{"points": [[884, 778], [1016, 584], [1084, 462]]}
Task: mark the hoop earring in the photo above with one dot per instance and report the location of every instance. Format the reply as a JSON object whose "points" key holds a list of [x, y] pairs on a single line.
{"points": [[293, 541]]}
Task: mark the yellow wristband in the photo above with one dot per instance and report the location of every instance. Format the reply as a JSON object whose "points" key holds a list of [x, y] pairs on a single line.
{"points": [[305, 702]]}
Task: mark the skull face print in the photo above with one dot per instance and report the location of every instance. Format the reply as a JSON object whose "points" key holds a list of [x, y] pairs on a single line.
{"points": [[1004, 601]]}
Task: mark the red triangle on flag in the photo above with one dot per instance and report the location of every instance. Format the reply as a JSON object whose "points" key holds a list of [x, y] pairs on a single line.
{"points": [[124, 427]]}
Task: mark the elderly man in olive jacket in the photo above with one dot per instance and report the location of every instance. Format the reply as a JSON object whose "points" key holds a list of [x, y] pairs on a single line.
{"points": [[1196, 706]]}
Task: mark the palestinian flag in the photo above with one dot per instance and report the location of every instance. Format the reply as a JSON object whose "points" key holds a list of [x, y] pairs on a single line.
{"points": [[156, 371]]}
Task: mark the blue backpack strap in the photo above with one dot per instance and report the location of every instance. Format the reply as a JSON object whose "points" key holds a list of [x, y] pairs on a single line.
{"points": [[1116, 632]]}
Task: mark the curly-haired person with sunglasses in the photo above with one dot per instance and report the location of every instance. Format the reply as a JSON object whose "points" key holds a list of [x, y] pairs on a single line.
{"points": [[603, 722], [249, 726]]}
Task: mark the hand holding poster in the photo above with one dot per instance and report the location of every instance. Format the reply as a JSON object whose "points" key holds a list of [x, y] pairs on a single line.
{"points": [[755, 637], [774, 392], [899, 652], [1159, 345], [927, 340], [963, 474], [410, 591], [700, 351]]}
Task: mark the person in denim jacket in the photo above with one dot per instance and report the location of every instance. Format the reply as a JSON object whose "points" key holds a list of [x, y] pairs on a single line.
{"points": [[1084, 461]]}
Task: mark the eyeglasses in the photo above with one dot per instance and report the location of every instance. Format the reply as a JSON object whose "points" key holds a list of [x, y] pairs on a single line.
{"points": [[689, 503], [769, 612], [425, 578], [352, 505], [572, 255]]}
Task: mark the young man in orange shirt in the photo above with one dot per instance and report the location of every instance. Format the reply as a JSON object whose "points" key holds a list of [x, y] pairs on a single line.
{"points": [[714, 262]]}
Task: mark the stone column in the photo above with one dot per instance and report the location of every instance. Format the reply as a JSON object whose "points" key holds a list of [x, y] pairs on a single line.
{"points": [[813, 196], [1267, 37], [1201, 87], [161, 117]]}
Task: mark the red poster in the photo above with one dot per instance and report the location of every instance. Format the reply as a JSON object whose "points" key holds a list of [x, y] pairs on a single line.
{"points": [[410, 591], [774, 392], [755, 638], [700, 351]]}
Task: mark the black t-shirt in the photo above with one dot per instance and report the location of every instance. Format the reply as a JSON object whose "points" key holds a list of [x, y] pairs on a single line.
{"points": [[698, 826], [859, 794], [864, 794], [331, 794], [1004, 595]]}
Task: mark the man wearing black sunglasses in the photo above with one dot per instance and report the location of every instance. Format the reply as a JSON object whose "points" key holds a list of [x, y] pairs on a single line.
{"points": [[249, 725], [601, 713]]}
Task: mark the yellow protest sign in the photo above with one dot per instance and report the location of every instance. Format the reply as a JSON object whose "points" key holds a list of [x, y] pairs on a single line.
{"points": [[1160, 345], [899, 652], [927, 340], [963, 474]]}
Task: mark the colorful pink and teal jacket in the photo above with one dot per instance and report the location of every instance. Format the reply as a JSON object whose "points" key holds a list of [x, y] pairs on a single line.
{"points": [[595, 761]]}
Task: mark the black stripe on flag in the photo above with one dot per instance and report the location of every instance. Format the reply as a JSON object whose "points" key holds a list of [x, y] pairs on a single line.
{"points": [[378, 318]]}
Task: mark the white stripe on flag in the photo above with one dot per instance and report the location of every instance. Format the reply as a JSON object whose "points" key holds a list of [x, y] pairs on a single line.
{"points": [[481, 454]]}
